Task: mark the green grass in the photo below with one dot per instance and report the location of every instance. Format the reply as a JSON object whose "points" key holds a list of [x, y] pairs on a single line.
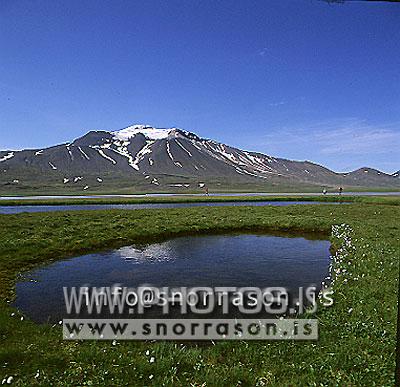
{"points": [[357, 335]]}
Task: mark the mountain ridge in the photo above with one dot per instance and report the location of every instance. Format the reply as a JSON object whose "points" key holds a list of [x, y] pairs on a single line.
{"points": [[147, 158]]}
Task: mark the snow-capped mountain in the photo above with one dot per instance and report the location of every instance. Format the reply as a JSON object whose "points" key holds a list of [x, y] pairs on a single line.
{"points": [[141, 157]]}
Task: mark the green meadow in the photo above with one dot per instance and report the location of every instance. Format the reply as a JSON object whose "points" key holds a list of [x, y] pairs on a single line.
{"points": [[357, 334]]}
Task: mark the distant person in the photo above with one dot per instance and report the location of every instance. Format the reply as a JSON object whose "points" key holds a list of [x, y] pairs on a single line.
{"points": [[340, 190], [207, 194], [324, 191]]}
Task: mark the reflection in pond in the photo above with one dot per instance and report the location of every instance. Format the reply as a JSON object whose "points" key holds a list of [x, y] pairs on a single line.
{"points": [[238, 260]]}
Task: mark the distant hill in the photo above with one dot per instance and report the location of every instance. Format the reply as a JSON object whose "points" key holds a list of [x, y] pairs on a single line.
{"points": [[143, 158]]}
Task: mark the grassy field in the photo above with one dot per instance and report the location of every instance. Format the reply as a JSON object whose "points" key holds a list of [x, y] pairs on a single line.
{"points": [[357, 334], [393, 200], [127, 189]]}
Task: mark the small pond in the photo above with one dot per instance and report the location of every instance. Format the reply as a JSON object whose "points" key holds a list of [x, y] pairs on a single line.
{"points": [[231, 260]]}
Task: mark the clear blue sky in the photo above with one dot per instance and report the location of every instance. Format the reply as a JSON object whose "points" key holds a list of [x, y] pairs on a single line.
{"points": [[290, 78]]}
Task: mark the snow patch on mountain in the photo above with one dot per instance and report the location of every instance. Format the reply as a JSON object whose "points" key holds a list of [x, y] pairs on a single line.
{"points": [[169, 152], [83, 153], [148, 131], [177, 163], [101, 153], [188, 152], [195, 145], [69, 152], [7, 156], [140, 155]]}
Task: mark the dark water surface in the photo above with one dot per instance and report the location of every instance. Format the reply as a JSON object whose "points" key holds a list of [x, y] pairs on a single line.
{"points": [[238, 260], [72, 207]]}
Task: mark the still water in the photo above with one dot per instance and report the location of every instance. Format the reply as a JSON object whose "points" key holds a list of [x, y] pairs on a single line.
{"points": [[234, 260], [72, 207]]}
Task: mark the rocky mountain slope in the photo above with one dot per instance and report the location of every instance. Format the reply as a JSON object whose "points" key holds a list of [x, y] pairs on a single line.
{"points": [[143, 158]]}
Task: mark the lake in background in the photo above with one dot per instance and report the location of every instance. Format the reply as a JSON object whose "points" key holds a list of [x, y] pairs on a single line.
{"points": [[83, 207]]}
